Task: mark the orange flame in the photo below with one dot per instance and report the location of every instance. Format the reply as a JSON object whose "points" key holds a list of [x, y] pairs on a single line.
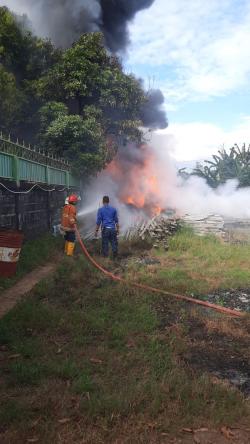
{"points": [[140, 184]]}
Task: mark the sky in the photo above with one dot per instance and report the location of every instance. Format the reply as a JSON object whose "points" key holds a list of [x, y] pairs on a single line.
{"points": [[198, 53]]}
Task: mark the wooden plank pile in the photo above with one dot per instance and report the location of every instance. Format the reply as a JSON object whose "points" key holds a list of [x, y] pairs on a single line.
{"points": [[158, 229], [206, 224]]}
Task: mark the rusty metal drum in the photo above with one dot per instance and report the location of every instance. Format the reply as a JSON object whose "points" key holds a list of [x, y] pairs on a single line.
{"points": [[10, 248]]}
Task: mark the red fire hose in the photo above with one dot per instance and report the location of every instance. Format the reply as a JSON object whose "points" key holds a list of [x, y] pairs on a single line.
{"points": [[224, 310]]}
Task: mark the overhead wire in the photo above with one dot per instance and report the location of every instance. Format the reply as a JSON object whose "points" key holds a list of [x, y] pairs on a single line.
{"points": [[36, 185]]}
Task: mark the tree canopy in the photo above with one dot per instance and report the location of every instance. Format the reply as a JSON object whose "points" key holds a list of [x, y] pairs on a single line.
{"points": [[78, 103]]}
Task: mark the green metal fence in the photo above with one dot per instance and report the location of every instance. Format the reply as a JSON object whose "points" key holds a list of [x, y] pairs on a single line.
{"points": [[22, 163]]}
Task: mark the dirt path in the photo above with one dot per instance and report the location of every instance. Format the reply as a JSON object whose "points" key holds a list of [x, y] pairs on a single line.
{"points": [[10, 297]]}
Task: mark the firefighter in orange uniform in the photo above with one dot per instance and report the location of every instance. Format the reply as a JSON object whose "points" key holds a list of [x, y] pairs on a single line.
{"points": [[68, 224]]}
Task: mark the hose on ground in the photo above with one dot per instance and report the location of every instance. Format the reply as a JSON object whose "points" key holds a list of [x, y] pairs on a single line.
{"points": [[228, 311]]}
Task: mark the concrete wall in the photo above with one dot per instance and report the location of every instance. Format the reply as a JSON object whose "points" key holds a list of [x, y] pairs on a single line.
{"points": [[34, 213]]}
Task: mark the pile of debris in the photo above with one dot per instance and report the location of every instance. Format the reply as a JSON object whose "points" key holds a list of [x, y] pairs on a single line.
{"points": [[158, 229], [206, 224]]}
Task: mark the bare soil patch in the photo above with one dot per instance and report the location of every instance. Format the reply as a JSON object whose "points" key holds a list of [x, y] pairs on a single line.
{"points": [[216, 345], [238, 299]]}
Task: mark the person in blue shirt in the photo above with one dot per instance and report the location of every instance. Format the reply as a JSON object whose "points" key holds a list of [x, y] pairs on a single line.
{"points": [[107, 219]]}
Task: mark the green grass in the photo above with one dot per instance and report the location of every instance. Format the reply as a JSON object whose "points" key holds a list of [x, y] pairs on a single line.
{"points": [[83, 384], [22, 373], [198, 265], [85, 348], [34, 253], [13, 412], [27, 320], [30, 348]]}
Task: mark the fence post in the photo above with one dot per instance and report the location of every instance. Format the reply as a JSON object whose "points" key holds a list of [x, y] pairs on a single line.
{"points": [[49, 210], [16, 176], [47, 174], [18, 212], [67, 179]]}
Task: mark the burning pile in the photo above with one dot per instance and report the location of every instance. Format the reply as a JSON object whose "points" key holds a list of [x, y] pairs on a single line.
{"points": [[137, 180], [158, 229], [137, 183]]}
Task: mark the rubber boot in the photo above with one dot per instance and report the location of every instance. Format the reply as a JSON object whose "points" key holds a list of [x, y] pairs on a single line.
{"points": [[66, 247], [70, 249]]}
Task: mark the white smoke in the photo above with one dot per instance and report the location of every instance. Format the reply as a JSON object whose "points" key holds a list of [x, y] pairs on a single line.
{"points": [[192, 196], [97, 188]]}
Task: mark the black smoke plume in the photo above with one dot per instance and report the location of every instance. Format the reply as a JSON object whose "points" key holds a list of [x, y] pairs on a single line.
{"points": [[153, 114], [115, 16], [65, 20]]}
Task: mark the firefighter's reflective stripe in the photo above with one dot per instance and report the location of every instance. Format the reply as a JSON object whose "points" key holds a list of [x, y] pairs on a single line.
{"points": [[9, 254]]}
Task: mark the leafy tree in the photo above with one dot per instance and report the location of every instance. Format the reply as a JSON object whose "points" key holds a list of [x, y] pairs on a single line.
{"points": [[87, 75], [12, 101], [234, 164], [121, 102], [12, 42], [50, 112], [25, 55], [25, 58], [79, 140], [78, 75], [77, 103]]}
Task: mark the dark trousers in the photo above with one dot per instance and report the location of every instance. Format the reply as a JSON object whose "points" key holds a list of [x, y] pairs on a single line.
{"points": [[109, 235], [70, 236]]}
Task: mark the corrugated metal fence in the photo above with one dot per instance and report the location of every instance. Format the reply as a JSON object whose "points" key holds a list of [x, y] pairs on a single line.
{"points": [[34, 188], [21, 163]]}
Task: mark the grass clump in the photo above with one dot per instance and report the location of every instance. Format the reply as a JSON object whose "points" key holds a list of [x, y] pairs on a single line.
{"points": [[25, 373], [64, 369], [83, 384], [12, 412]]}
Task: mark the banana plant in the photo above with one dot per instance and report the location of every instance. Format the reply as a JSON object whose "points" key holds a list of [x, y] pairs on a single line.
{"points": [[226, 165]]}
